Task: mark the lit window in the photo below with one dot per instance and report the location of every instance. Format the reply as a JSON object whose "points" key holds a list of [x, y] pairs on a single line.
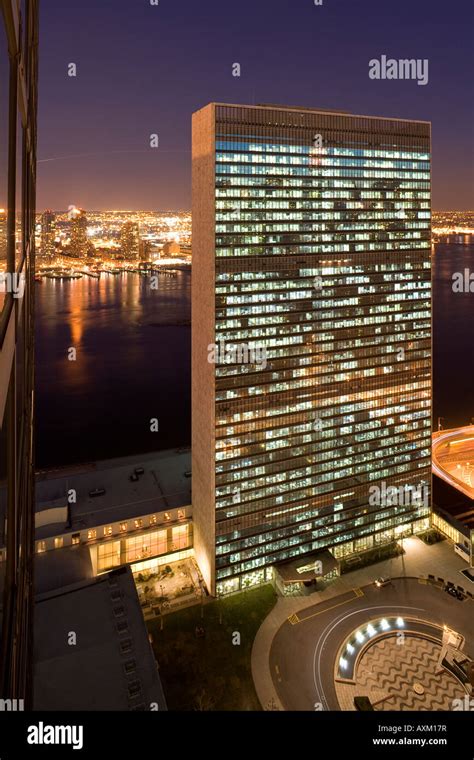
{"points": [[76, 538], [41, 546], [108, 555], [153, 520], [181, 514], [58, 542], [138, 523], [91, 534], [107, 530], [123, 527], [167, 516], [180, 537]]}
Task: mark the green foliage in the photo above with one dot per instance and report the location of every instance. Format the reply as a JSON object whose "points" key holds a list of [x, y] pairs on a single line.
{"points": [[210, 673], [431, 536], [371, 557]]}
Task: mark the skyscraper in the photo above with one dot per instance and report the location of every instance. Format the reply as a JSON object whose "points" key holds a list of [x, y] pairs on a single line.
{"points": [[79, 245], [130, 240], [311, 320], [48, 233], [17, 194]]}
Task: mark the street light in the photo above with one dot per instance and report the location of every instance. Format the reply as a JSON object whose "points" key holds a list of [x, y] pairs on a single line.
{"points": [[162, 598], [202, 597]]}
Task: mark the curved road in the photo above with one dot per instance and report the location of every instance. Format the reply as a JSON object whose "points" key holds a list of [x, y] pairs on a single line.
{"points": [[304, 649]]}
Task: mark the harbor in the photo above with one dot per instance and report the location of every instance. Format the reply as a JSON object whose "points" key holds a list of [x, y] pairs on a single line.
{"points": [[63, 273]]}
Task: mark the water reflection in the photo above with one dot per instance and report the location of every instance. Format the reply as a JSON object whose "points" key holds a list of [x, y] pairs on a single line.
{"points": [[134, 360], [133, 363]]}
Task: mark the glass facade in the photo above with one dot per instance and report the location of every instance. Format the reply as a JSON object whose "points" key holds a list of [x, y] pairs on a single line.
{"points": [[323, 261], [146, 545], [18, 96]]}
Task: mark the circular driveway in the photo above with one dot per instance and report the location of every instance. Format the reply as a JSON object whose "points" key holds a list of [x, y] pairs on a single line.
{"points": [[304, 650]]}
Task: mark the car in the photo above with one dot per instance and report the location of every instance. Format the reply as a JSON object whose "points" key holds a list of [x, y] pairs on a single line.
{"points": [[139, 470], [380, 582], [134, 477], [452, 591]]}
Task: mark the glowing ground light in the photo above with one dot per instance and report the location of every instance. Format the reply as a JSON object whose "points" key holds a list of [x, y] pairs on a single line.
{"points": [[384, 624], [371, 630], [350, 649], [400, 622], [360, 637], [343, 663]]}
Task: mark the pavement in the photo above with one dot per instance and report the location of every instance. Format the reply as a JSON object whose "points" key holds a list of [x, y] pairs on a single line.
{"points": [[418, 561], [389, 674]]}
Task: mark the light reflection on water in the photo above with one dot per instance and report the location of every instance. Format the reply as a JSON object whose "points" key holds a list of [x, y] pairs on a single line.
{"points": [[134, 361], [133, 364]]}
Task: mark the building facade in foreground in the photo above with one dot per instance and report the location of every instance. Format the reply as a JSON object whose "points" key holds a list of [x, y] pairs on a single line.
{"points": [[18, 95], [311, 336]]}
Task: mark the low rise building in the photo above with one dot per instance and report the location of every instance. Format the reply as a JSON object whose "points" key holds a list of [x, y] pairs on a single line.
{"points": [[126, 511], [453, 488]]}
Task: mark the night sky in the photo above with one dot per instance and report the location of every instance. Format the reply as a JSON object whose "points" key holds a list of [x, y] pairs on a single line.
{"points": [[144, 69]]}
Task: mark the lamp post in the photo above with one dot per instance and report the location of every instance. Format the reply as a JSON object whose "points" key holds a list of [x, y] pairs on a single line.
{"points": [[162, 597], [202, 598]]}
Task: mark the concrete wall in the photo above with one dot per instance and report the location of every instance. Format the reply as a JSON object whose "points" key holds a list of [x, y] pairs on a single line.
{"points": [[203, 334]]}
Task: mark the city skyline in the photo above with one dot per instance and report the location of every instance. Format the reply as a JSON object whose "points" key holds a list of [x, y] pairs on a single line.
{"points": [[328, 67], [236, 398]]}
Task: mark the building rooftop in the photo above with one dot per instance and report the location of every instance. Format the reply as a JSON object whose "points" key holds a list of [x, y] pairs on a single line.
{"points": [[309, 110], [279, 107], [453, 506], [111, 666], [453, 458], [61, 568], [165, 484], [307, 567]]}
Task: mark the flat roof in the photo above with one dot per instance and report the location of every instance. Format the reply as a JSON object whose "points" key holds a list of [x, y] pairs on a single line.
{"points": [[453, 458], [111, 666], [61, 568], [290, 571], [307, 109], [163, 486]]}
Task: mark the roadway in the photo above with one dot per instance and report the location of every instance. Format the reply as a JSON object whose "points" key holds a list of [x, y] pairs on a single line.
{"points": [[304, 649]]}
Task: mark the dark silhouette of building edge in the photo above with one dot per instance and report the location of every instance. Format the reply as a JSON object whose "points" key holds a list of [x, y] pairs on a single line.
{"points": [[20, 27]]}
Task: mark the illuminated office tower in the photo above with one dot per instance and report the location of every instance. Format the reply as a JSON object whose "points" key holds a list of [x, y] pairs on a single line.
{"points": [[130, 240], [79, 245], [18, 98], [311, 242], [48, 233]]}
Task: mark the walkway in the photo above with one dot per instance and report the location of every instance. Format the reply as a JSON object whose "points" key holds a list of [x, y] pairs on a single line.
{"points": [[418, 560]]}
